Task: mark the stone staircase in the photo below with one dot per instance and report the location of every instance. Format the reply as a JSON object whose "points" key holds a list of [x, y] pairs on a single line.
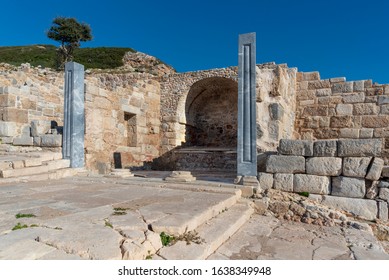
{"points": [[33, 166], [213, 227]]}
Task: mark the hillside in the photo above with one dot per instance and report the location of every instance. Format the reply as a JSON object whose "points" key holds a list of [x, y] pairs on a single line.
{"points": [[123, 59]]}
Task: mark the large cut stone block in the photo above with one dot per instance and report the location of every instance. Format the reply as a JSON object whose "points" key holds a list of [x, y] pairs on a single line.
{"points": [[40, 127], [7, 129], [365, 208], [385, 171], [23, 141], [324, 166], [356, 166], [348, 187], [325, 148], [285, 164], [51, 140], [311, 183], [375, 170], [265, 180], [383, 210], [283, 182], [296, 147], [359, 147]]}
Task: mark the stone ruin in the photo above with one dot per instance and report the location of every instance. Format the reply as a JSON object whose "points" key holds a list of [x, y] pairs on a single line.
{"points": [[189, 122]]}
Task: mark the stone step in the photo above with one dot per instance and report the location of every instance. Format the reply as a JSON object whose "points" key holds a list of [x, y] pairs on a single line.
{"points": [[176, 224], [51, 175], [26, 171], [214, 233], [57, 164]]}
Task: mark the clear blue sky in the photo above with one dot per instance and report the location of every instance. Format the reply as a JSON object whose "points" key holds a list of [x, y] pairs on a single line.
{"points": [[338, 38]]}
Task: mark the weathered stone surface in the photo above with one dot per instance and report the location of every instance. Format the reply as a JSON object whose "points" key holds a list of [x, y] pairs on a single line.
{"points": [[348, 187], [383, 99], [40, 127], [7, 129], [51, 140], [371, 189], [374, 173], [311, 183], [265, 180], [354, 98], [324, 166], [384, 194], [285, 164], [342, 87], [366, 133], [383, 184], [383, 210], [23, 141], [365, 109], [375, 121], [283, 182], [344, 109], [325, 148], [365, 208], [359, 147], [296, 147], [180, 176], [276, 111], [385, 171], [349, 133], [341, 121], [356, 166]]}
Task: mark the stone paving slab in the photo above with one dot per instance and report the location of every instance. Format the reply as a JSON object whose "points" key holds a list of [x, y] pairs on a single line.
{"points": [[94, 217]]}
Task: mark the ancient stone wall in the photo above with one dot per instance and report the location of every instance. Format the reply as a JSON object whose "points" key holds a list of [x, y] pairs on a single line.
{"points": [[335, 108], [122, 113], [348, 174]]}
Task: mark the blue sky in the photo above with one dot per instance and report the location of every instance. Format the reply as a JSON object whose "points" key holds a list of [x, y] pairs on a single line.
{"points": [[338, 38]]}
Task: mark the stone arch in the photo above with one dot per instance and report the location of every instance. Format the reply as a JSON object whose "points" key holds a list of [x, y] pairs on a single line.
{"points": [[211, 110]]}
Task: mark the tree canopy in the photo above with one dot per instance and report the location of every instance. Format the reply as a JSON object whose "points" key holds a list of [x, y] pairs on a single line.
{"points": [[69, 32]]}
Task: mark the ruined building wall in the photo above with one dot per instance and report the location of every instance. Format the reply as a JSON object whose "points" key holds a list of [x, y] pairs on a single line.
{"points": [[336, 108], [122, 113]]}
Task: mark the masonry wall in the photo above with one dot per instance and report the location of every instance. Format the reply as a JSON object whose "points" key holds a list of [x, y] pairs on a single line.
{"points": [[336, 108], [122, 113]]}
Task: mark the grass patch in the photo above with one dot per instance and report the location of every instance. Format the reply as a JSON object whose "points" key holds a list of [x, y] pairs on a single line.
{"points": [[108, 224], [119, 213], [45, 55], [19, 226], [166, 239], [306, 194], [20, 215], [34, 225]]}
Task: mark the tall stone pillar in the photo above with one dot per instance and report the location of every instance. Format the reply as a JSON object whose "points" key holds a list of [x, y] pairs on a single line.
{"points": [[247, 137], [74, 115]]}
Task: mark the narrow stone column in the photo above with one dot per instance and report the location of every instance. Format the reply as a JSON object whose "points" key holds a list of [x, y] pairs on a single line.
{"points": [[247, 137], [74, 115]]}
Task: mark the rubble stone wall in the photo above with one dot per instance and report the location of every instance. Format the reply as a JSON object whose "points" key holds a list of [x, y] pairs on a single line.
{"points": [[346, 173]]}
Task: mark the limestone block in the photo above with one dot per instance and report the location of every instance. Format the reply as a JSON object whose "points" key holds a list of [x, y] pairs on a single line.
{"points": [[375, 121], [341, 121], [310, 76], [383, 211], [39, 127], [285, 164], [323, 92], [276, 111], [354, 98], [311, 183], [365, 208], [180, 176], [372, 189], [365, 109], [51, 140], [23, 141], [265, 180], [356, 166], [383, 99], [374, 173], [8, 129], [344, 109], [325, 148], [37, 141], [7, 140], [384, 194], [296, 147], [324, 166], [342, 87], [338, 80], [283, 182], [348, 187], [349, 133], [7, 100], [359, 85], [366, 133], [359, 147]]}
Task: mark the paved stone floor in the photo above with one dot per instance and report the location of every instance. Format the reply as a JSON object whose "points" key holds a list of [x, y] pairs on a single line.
{"points": [[80, 218]]}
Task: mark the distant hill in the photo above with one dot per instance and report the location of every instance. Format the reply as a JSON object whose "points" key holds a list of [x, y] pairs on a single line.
{"points": [[45, 55]]}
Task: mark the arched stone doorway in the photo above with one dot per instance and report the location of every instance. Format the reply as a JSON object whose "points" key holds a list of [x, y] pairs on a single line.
{"points": [[211, 111]]}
